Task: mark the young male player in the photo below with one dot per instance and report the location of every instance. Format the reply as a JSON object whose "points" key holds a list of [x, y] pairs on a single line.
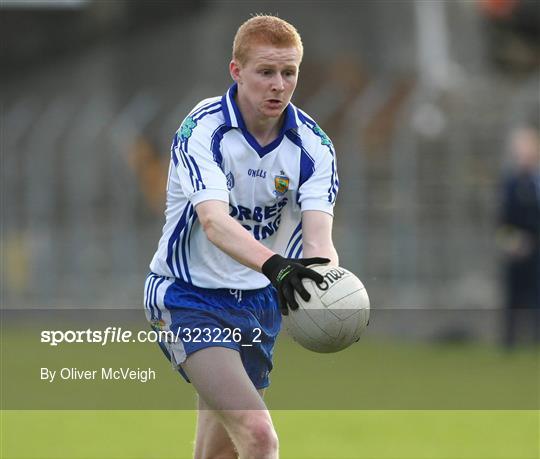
{"points": [[252, 184]]}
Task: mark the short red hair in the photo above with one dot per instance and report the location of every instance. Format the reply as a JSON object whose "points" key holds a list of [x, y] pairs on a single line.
{"points": [[267, 30]]}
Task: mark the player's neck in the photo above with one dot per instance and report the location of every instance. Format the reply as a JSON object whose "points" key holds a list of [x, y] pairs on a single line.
{"points": [[264, 129]]}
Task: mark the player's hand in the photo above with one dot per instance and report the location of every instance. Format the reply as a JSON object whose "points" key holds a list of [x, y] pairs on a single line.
{"points": [[286, 276]]}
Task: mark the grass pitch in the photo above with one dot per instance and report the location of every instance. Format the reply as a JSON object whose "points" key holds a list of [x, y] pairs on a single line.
{"points": [[303, 434], [404, 400]]}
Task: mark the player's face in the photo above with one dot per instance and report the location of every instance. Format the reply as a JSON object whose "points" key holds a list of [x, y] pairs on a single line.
{"points": [[267, 80]]}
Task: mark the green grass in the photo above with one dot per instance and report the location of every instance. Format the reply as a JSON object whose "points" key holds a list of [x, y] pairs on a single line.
{"points": [[303, 434], [375, 400]]}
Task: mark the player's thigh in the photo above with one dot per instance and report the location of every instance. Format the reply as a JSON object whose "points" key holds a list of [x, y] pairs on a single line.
{"points": [[218, 375]]}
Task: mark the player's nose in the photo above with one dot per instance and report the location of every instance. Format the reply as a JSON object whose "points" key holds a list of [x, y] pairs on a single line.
{"points": [[278, 84]]}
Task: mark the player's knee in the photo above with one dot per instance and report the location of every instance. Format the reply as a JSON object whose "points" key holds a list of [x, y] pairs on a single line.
{"points": [[261, 438]]}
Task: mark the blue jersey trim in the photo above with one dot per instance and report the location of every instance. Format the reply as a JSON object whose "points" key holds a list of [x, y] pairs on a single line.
{"points": [[307, 163], [195, 177], [198, 171], [188, 160], [158, 283], [304, 118], [211, 112], [290, 122], [298, 252], [261, 151], [215, 144], [189, 234], [173, 148], [293, 241], [172, 251], [334, 181], [293, 235], [174, 157], [207, 106], [184, 244], [153, 283], [185, 163], [237, 113], [290, 254], [226, 115], [147, 295], [334, 186]]}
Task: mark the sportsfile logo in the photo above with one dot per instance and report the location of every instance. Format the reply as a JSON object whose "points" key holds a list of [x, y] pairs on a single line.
{"points": [[104, 337], [330, 277], [184, 334]]}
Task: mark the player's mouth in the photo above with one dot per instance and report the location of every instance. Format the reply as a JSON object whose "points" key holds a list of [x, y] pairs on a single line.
{"points": [[274, 103]]}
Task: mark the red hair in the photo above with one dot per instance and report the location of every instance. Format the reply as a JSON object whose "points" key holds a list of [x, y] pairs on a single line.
{"points": [[267, 30]]}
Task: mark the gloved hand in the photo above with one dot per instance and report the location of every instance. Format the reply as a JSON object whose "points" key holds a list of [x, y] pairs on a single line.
{"points": [[286, 276]]}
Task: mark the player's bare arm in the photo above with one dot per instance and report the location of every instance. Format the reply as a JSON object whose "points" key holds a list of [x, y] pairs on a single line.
{"points": [[229, 236], [317, 235]]}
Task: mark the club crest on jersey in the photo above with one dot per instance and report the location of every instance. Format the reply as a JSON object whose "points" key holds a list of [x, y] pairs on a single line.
{"points": [[230, 181], [158, 324], [187, 127], [325, 140], [281, 183]]}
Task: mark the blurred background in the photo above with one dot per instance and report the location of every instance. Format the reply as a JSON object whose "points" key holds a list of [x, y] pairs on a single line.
{"points": [[431, 106]]}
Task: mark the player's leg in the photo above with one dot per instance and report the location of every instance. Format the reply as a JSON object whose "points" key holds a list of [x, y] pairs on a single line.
{"points": [[222, 383], [212, 439]]}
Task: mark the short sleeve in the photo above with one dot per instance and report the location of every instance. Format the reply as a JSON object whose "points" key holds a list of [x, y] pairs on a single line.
{"points": [[201, 176], [319, 190]]}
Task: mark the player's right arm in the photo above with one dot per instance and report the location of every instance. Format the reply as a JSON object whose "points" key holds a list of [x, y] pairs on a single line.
{"points": [[230, 236]]}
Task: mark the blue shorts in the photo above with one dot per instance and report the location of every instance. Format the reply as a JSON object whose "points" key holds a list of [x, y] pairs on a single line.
{"points": [[247, 321]]}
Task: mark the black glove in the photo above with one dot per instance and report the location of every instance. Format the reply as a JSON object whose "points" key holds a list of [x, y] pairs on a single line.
{"points": [[286, 275]]}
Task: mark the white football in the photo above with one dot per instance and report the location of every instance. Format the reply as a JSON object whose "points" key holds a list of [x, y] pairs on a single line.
{"points": [[336, 314]]}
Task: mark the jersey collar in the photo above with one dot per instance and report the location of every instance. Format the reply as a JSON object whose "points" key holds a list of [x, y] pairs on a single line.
{"points": [[234, 119]]}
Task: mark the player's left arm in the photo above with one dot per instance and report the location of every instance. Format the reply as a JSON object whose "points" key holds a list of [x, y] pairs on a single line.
{"points": [[317, 197], [317, 236]]}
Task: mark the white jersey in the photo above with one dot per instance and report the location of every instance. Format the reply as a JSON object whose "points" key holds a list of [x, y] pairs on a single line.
{"points": [[214, 157]]}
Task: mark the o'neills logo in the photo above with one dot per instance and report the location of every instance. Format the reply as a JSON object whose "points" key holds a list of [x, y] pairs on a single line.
{"points": [[331, 277]]}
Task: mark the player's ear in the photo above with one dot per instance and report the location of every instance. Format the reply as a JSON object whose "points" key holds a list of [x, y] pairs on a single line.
{"points": [[234, 70]]}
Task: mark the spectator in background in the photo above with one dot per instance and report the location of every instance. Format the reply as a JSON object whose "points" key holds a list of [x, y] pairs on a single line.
{"points": [[519, 235]]}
